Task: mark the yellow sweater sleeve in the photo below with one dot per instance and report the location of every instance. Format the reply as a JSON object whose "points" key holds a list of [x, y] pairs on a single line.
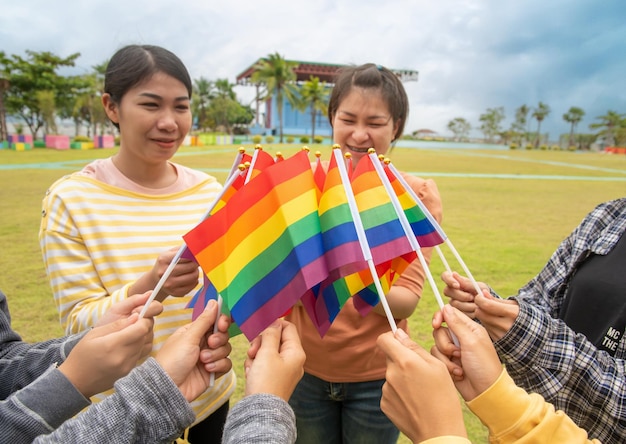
{"points": [[515, 416]]}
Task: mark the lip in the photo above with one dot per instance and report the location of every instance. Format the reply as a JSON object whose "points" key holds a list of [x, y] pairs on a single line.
{"points": [[166, 143], [358, 150]]}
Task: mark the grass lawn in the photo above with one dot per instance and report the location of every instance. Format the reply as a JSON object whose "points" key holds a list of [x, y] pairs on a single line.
{"points": [[504, 211]]}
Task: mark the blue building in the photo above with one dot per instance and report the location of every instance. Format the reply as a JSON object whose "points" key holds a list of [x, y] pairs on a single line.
{"points": [[298, 122]]}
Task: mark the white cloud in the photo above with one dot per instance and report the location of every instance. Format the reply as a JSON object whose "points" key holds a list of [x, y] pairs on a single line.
{"points": [[471, 54]]}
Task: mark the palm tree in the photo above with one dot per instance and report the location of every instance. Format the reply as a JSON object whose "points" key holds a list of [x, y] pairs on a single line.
{"points": [[201, 98], [540, 113], [314, 94], [279, 77], [607, 126], [573, 117]]}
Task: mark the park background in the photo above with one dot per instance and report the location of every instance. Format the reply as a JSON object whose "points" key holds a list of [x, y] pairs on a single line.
{"points": [[505, 211]]}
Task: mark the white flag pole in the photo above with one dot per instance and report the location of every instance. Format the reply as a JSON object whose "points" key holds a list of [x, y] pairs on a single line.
{"points": [[408, 231], [432, 220], [406, 226], [358, 223]]}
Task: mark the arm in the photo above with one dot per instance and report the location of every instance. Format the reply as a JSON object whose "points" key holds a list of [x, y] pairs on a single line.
{"points": [[418, 395], [90, 262], [21, 363], [273, 367], [146, 407], [151, 404], [511, 414], [543, 355], [35, 410]]}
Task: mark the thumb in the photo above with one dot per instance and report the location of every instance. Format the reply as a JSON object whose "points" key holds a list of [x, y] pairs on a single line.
{"points": [[118, 325], [460, 324], [203, 323], [270, 338]]}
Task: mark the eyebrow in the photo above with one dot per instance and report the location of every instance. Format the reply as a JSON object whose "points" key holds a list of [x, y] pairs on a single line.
{"points": [[158, 97], [349, 114]]}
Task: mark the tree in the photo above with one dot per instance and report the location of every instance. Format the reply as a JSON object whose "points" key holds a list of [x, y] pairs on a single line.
{"points": [[491, 121], [201, 100], [573, 117], [519, 127], [35, 73], [46, 103], [540, 113], [608, 126], [279, 78], [460, 128], [4, 85], [314, 95]]}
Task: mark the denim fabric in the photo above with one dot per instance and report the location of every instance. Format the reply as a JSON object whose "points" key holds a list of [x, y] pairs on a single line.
{"points": [[336, 413]]}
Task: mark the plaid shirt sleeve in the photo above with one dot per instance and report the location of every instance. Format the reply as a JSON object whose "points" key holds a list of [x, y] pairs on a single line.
{"points": [[544, 355], [547, 357]]}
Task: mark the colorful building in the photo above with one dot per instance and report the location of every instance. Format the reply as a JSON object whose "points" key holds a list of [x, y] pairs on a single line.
{"points": [[298, 122]]}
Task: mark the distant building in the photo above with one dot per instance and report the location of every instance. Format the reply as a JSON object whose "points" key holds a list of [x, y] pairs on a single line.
{"points": [[295, 121]]}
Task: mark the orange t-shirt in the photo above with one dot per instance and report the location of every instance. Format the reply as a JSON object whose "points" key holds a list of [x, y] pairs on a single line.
{"points": [[348, 351]]}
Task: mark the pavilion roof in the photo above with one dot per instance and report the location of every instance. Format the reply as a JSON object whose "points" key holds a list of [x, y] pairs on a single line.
{"points": [[324, 71]]}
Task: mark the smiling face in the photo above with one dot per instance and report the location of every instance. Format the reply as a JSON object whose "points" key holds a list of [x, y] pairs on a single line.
{"points": [[154, 117], [363, 121]]}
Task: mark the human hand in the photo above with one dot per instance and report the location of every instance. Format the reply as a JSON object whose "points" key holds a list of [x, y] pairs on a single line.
{"points": [[107, 353], [496, 315], [418, 395], [193, 352], [182, 279], [474, 365], [133, 304], [461, 292], [275, 362]]}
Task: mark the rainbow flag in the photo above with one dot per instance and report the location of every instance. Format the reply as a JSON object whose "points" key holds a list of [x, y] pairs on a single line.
{"points": [[386, 237], [343, 251], [260, 160], [264, 249], [426, 229], [387, 243]]}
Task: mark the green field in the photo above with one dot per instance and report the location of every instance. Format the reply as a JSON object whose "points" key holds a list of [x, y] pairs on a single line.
{"points": [[504, 211]]}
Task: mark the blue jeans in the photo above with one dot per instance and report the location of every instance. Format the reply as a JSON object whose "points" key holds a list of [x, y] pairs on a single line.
{"points": [[336, 413]]}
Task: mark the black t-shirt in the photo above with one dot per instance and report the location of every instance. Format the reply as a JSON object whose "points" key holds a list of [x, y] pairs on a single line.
{"points": [[595, 301]]}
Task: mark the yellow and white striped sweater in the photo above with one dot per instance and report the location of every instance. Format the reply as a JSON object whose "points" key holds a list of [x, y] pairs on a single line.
{"points": [[97, 239]]}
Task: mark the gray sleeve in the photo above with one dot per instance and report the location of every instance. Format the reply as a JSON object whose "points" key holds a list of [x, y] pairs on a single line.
{"points": [[146, 407], [20, 362], [258, 419], [39, 408]]}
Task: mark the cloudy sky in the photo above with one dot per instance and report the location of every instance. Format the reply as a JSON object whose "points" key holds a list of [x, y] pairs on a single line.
{"points": [[471, 54]]}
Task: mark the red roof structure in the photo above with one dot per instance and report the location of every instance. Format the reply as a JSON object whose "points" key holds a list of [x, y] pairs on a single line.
{"points": [[324, 71]]}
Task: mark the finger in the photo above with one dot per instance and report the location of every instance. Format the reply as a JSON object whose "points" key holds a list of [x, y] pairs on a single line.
{"points": [[253, 349], [270, 338], [448, 278], [453, 368], [461, 325], [437, 320], [132, 303], [290, 339], [395, 345], [490, 305], [203, 323], [444, 342]]}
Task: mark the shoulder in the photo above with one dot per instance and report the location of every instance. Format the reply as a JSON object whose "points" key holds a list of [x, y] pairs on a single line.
{"points": [[427, 191]]}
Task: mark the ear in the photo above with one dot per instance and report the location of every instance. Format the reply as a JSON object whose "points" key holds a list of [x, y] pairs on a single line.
{"points": [[396, 127], [110, 108]]}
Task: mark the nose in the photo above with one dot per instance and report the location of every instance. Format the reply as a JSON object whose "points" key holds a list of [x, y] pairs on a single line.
{"points": [[360, 134], [167, 121]]}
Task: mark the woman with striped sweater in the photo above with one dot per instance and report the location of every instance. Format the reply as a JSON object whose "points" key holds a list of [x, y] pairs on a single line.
{"points": [[111, 229]]}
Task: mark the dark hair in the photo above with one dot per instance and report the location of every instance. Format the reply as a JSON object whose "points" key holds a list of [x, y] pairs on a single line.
{"points": [[133, 64], [371, 76]]}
